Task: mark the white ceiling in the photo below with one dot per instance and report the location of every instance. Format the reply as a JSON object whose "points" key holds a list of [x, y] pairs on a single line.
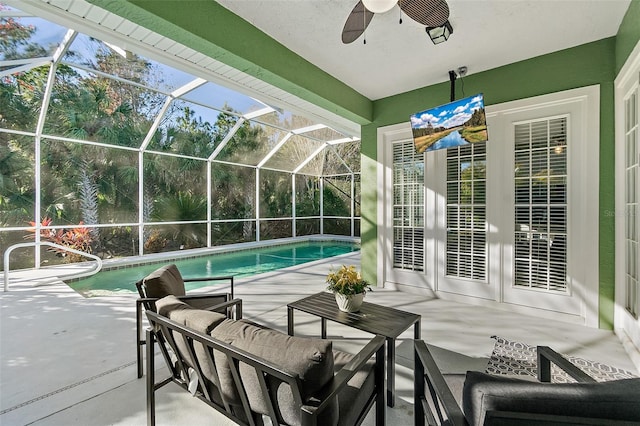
{"points": [[399, 58]]}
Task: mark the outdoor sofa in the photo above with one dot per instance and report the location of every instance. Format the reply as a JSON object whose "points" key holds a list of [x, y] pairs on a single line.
{"points": [[246, 371]]}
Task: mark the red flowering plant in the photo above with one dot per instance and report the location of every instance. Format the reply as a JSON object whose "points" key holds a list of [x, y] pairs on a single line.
{"points": [[78, 238]]}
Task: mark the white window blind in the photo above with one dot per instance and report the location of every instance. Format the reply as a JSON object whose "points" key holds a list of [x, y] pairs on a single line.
{"points": [[466, 255], [408, 207], [541, 205], [631, 204]]}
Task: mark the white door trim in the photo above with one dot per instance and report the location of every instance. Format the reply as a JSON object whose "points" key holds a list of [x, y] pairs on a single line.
{"points": [[627, 327]]}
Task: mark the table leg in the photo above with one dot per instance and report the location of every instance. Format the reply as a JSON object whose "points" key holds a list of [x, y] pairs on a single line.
{"points": [[391, 371], [290, 321], [416, 330], [139, 341], [323, 328]]}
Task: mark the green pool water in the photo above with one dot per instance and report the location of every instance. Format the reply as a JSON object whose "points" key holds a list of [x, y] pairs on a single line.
{"points": [[240, 264]]}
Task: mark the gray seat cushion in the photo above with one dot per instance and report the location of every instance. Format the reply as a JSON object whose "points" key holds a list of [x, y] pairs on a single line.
{"points": [[618, 400], [310, 359], [163, 282]]}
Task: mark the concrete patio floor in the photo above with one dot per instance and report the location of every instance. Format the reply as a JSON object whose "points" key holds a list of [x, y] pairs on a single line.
{"points": [[70, 360]]}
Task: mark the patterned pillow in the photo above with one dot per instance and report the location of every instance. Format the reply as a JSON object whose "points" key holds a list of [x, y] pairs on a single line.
{"points": [[520, 359]]}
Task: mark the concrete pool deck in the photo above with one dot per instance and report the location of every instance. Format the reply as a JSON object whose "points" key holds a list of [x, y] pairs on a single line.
{"points": [[69, 360]]}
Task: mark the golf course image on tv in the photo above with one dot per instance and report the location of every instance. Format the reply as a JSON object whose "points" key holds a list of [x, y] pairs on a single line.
{"points": [[450, 125]]}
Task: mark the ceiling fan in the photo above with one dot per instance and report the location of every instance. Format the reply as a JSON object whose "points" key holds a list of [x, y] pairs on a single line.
{"points": [[431, 13]]}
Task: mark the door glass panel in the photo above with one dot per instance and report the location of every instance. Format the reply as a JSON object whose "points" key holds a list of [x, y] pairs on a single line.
{"points": [[540, 186], [631, 204], [408, 207], [466, 255]]}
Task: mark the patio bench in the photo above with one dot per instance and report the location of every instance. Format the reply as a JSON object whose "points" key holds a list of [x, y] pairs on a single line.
{"points": [[246, 371]]}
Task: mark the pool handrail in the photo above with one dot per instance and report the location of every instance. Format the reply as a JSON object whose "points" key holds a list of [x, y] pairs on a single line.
{"points": [[82, 274]]}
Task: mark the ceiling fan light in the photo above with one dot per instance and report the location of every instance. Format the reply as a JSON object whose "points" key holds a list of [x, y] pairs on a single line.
{"points": [[440, 34], [379, 6]]}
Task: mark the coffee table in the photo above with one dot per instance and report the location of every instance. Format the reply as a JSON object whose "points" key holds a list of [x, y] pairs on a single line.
{"points": [[371, 318]]}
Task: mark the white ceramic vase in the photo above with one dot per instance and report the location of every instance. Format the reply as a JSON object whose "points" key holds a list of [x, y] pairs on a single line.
{"points": [[350, 303]]}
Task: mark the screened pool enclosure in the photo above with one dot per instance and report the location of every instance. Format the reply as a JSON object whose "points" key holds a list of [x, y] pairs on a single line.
{"points": [[108, 151]]}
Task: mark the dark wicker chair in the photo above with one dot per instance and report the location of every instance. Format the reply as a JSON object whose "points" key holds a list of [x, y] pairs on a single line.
{"points": [[167, 280], [495, 400]]}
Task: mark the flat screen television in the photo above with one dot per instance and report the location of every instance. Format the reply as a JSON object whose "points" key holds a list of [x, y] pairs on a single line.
{"points": [[457, 123]]}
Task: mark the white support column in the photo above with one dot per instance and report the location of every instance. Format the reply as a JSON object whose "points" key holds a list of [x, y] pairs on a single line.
{"points": [[353, 204], [257, 204], [38, 205], [293, 205], [46, 98], [321, 205], [37, 161], [209, 200], [140, 202]]}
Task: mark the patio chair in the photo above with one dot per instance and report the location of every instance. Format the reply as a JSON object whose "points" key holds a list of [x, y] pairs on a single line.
{"points": [[167, 280], [502, 400]]}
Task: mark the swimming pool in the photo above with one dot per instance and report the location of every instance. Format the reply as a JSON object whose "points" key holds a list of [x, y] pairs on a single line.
{"points": [[241, 263]]}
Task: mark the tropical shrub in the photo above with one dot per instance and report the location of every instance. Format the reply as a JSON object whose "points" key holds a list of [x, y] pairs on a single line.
{"points": [[78, 238]]}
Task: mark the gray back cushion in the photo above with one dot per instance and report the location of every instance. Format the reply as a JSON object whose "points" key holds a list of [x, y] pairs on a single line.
{"points": [[196, 319], [203, 322], [619, 399], [199, 320], [163, 282], [310, 359]]}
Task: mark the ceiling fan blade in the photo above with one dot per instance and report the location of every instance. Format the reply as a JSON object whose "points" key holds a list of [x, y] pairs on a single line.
{"points": [[431, 13], [356, 23]]}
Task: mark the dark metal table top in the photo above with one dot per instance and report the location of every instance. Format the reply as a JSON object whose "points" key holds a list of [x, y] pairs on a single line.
{"points": [[372, 318]]}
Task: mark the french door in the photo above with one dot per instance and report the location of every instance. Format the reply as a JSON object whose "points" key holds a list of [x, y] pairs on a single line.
{"points": [[627, 212], [513, 221]]}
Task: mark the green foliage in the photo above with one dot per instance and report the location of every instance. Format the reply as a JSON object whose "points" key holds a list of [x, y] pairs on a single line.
{"points": [[275, 188], [183, 207], [15, 39], [334, 201], [347, 280], [307, 196], [16, 181], [478, 118]]}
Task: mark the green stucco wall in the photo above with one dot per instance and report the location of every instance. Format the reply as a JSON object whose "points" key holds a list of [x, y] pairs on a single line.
{"points": [[580, 66], [628, 34]]}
